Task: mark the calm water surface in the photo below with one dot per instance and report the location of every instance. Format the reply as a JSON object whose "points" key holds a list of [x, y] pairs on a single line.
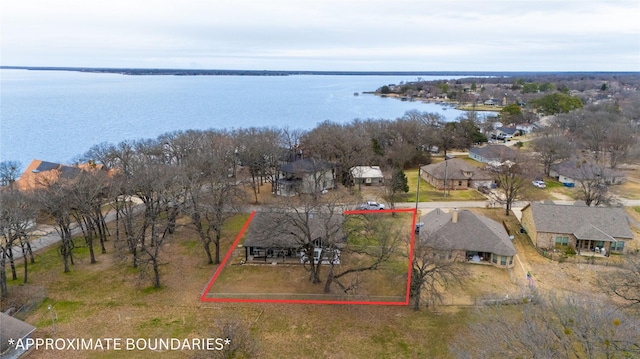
{"points": [[58, 115]]}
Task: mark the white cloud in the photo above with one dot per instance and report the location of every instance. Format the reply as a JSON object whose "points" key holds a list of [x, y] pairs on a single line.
{"points": [[399, 35]]}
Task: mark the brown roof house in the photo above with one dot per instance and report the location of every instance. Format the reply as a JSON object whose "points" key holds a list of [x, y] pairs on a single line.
{"points": [[40, 172], [457, 173], [282, 237], [464, 235], [306, 176], [583, 228]]}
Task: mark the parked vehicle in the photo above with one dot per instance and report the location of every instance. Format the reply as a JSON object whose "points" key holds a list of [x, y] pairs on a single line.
{"points": [[370, 205], [539, 184]]}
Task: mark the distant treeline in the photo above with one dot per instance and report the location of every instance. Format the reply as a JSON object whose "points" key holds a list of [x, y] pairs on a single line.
{"points": [[222, 72]]}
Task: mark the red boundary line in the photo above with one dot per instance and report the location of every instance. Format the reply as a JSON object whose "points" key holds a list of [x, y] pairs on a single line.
{"points": [[305, 301]]}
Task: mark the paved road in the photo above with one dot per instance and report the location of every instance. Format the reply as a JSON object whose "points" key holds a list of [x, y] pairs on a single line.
{"points": [[52, 236]]}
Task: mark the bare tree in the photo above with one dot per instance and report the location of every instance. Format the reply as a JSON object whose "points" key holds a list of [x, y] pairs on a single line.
{"points": [[372, 239], [315, 226], [593, 180], [432, 274], [551, 150], [512, 178], [618, 142], [212, 196], [9, 172], [626, 283], [260, 151], [161, 195], [345, 145], [55, 199], [87, 195], [397, 183], [148, 199], [16, 215], [571, 326], [594, 126]]}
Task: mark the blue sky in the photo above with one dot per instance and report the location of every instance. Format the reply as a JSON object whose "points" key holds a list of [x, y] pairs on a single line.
{"points": [[348, 35]]}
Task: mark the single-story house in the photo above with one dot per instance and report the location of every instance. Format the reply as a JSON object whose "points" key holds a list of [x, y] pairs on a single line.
{"points": [[367, 175], [578, 226], [571, 171], [502, 133], [525, 128], [467, 236], [492, 154], [305, 176], [457, 174], [278, 236], [16, 330]]}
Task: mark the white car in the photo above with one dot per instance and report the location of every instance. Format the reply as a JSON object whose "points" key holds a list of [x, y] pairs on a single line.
{"points": [[539, 184], [370, 205]]}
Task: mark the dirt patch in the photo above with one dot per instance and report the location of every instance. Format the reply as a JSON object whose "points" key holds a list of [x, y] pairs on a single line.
{"points": [[560, 196]]}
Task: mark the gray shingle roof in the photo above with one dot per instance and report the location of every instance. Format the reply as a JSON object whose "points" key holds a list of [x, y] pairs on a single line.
{"points": [[307, 165], [586, 222], [286, 230], [456, 169], [497, 152], [584, 171], [12, 328], [472, 232]]}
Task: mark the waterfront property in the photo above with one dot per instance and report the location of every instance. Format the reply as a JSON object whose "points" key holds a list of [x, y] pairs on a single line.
{"points": [[40, 172], [466, 236], [580, 227]]}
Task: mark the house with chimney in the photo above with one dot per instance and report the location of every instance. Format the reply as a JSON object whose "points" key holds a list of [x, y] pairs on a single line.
{"points": [[466, 236], [305, 176], [455, 174], [286, 238]]}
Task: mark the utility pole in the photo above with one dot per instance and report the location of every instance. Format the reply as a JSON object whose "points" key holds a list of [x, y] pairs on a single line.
{"points": [[53, 322], [418, 190], [446, 164]]}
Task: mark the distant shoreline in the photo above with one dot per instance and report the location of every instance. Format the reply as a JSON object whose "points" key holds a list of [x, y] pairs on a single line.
{"points": [[223, 72]]}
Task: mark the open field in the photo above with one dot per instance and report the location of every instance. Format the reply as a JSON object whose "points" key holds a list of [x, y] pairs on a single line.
{"points": [[108, 299]]}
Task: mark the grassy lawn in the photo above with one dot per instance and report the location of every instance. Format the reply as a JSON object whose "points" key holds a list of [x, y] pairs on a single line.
{"points": [[278, 279], [628, 190], [428, 193], [555, 190], [108, 299]]}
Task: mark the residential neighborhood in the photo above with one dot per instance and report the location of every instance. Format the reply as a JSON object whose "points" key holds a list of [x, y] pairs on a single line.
{"points": [[405, 220]]}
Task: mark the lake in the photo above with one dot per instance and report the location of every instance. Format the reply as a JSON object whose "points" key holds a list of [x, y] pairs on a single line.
{"points": [[58, 115]]}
